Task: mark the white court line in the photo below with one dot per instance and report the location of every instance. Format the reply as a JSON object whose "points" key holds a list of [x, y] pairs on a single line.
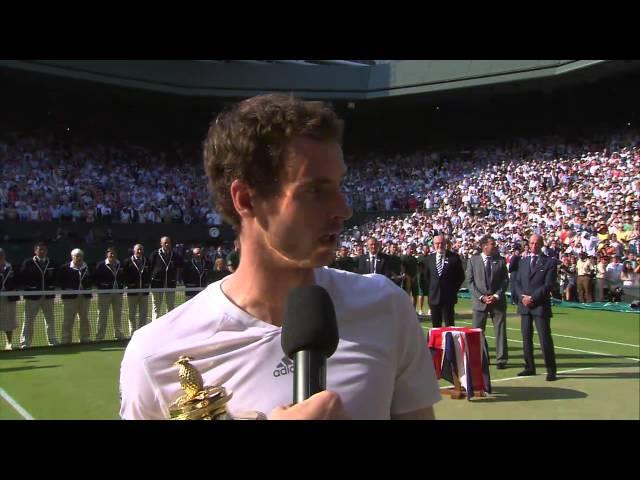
{"points": [[567, 348], [577, 338], [16, 406], [533, 376], [529, 376]]}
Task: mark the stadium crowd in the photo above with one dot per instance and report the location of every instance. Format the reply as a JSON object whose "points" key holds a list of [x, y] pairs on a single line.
{"points": [[582, 197]]}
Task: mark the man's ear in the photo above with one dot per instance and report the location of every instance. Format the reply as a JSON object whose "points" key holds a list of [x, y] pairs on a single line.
{"points": [[241, 195]]}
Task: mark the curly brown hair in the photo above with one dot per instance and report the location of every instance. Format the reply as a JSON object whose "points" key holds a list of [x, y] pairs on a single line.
{"points": [[247, 143]]}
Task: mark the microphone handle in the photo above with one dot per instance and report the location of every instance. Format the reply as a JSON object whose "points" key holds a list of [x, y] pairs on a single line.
{"points": [[310, 374]]}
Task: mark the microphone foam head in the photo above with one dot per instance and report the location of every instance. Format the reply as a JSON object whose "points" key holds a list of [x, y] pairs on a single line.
{"points": [[309, 322]]}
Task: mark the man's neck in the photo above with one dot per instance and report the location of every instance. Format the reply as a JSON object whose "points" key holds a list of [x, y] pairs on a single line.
{"points": [[261, 288]]}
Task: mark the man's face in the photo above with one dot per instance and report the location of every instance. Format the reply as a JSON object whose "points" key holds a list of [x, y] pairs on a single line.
{"points": [[77, 258], [410, 250], [439, 244], [372, 245], [394, 249], [489, 248], [300, 224], [535, 244], [197, 253], [165, 243], [41, 252], [112, 256], [138, 250], [344, 252], [359, 250]]}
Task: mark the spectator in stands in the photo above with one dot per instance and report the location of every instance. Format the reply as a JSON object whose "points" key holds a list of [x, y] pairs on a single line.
{"points": [[38, 273], [601, 286], [584, 272], [630, 278], [8, 319], [75, 276], [614, 270]]}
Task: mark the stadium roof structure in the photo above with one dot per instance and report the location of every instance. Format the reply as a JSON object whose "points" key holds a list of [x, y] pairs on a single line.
{"points": [[349, 63], [347, 80]]}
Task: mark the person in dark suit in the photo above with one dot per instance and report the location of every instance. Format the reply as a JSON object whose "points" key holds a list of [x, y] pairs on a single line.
{"points": [[410, 264], [395, 263], [374, 261], [512, 268], [36, 274], [166, 268], [219, 271], [534, 283], [488, 280], [343, 261], [444, 275], [197, 272], [109, 275], [137, 274], [75, 276]]}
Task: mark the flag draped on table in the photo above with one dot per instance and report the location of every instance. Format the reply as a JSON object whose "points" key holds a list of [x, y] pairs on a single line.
{"points": [[465, 350]]}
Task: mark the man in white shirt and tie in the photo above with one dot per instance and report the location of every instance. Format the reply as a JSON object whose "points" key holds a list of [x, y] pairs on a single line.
{"points": [[444, 275], [374, 261]]}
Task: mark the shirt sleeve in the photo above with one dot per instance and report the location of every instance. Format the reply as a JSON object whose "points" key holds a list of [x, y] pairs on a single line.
{"points": [[416, 386], [139, 399]]}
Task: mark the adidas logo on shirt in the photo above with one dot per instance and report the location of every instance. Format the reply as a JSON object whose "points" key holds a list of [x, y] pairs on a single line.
{"points": [[284, 367]]}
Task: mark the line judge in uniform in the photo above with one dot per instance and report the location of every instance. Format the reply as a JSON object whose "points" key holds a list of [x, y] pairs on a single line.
{"points": [[197, 272], [109, 275], [8, 283], [75, 275], [137, 273], [165, 267], [38, 273]]}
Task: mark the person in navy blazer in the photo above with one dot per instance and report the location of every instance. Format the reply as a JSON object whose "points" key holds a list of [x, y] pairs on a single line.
{"points": [[442, 287], [374, 261], [534, 282]]}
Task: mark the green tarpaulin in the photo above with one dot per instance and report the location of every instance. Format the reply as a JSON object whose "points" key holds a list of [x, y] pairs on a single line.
{"points": [[612, 307]]}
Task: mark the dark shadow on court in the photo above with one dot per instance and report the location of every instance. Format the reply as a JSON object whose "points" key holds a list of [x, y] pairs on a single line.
{"points": [[28, 367], [529, 394], [35, 352]]}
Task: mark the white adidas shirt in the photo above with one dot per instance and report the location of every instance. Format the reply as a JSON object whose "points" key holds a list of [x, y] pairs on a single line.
{"points": [[382, 365]]}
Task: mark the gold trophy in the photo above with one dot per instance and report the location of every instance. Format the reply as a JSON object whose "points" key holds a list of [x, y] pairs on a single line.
{"points": [[203, 403]]}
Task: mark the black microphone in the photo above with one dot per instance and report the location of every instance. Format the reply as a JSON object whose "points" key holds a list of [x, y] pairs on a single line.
{"points": [[309, 337]]}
